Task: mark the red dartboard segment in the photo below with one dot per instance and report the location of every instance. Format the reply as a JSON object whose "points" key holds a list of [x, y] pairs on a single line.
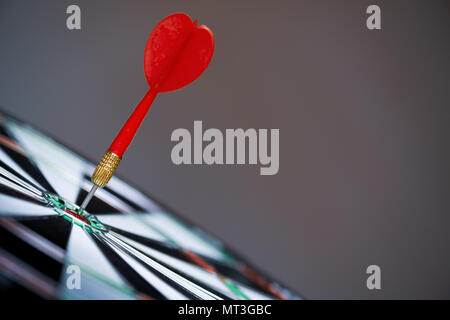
{"points": [[177, 53]]}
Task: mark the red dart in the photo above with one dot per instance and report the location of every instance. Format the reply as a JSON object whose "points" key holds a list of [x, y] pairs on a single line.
{"points": [[177, 53]]}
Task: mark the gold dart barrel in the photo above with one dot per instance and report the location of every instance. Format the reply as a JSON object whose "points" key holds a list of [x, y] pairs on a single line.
{"points": [[105, 169]]}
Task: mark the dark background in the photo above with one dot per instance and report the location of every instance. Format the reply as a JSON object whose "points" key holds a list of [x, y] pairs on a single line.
{"points": [[363, 117]]}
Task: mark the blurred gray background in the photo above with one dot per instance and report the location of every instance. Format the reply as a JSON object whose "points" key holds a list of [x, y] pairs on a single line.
{"points": [[363, 117]]}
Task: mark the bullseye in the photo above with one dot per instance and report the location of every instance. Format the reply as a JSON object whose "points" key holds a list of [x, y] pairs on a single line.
{"points": [[74, 214]]}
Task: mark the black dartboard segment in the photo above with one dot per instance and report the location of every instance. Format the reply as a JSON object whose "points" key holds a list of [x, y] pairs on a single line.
{"points": [[126, 246]]}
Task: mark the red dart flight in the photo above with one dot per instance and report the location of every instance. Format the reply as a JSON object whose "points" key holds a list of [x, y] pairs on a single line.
{"points": [[177, 53]]}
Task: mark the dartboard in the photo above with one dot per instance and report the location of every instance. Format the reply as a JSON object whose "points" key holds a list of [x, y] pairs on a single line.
{"points": [[125, 245]]}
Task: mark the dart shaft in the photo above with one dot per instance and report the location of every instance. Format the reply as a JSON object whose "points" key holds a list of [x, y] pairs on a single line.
{"points": [[128, 131]]}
